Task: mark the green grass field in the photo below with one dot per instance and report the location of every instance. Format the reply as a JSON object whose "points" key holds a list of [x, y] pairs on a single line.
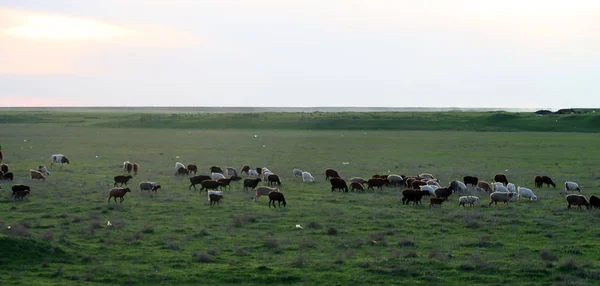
{"points": [[60, 235]]}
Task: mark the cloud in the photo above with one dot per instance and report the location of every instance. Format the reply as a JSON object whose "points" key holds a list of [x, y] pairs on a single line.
{"points": [[39, 43]]}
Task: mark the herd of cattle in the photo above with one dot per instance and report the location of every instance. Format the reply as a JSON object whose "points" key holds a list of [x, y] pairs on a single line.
{"points": [[415, 187]]}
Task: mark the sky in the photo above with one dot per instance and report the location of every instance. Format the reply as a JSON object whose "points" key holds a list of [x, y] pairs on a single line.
{"points": [[274, 53]]}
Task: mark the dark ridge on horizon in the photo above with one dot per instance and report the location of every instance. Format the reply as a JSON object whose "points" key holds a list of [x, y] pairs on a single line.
{"points": [[228, 109]]}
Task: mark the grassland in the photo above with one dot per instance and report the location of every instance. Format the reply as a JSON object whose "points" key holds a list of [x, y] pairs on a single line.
{"points": [[60, 236]]}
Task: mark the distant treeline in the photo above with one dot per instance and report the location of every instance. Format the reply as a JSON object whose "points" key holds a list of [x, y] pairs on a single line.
{"points": [[587, 121]]}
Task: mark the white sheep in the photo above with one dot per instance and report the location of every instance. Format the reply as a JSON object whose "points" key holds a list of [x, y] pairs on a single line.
{"points": [[572, 187], [430, 189], [252, 173], [358, 180], [217, 176], [395, 180], [511, 187], [499, 187], [59, 158], [471, 200], [307, 177], [526, 193], [44, 170], [149, 186], [297, 172], [496, 197], [458, 186], [231, 171]]}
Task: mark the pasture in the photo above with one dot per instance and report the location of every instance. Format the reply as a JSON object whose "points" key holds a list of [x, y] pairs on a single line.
{"points": [[60, 236]]}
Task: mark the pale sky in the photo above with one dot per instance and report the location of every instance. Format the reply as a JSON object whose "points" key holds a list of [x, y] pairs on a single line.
{"points": [[375, 53]]}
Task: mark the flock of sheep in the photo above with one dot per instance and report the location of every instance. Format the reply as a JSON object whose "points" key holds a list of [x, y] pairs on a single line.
{"points": [[416, 187]]}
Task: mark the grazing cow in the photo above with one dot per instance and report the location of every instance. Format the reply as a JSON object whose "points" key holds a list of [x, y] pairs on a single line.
{"points": [[338, 183], [577, 200], [263, 191], [216, 169], [501, 178], [192, 168], [356, 186], [411, 196], [377, 182], [485, 186], [209, 185], [297, 173], [214, 197], [572, 187], [59, 158], [182, 171], [496, 197], [122, 180], [273, 179], [417, 184], [195, 180], [36, 175], [331, 173], [443, 193], [4, 168], [307, 177], [231, 171], [595, 202], [118, 193], [246, 170], [43, 170], [541, 180], [276, 197], [470, 180], [251, 183], [435, 202]]}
